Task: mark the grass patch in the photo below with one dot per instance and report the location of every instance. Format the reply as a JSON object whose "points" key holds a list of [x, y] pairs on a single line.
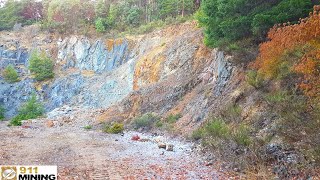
{"points": [[217, 129], [159, 124], [241, 135], [173, 118], [232, 113], [88, 127], [115, 128], [277, 97], [198, 134], [147, 120]]}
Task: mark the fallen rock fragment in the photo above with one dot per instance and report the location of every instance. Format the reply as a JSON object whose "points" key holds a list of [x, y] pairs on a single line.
{"points": [[49, 124], [169, 147], [135, 138], [162, 145]]}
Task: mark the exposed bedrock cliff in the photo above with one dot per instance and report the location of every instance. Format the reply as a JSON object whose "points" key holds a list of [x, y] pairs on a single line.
{"points": [[167, 71], [178, 75], [99, 56], [87, 73]]}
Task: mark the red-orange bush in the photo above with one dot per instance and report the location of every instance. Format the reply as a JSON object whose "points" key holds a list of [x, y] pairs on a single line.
{"points": [[309, 66], [286, 38]]}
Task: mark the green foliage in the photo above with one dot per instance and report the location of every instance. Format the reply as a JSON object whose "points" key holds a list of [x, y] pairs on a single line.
{"points": [[231, 20], [41, 66], [9, 14], [277, 97], [241, 135], [88, 127], [215, 130], [115, 128], [100, 25], [30, 110], [159, 124], [173, 118], [133, 17], [145, 121], [10, 74], [2, 111], [254, 79], [198, 134], [173, 8]]}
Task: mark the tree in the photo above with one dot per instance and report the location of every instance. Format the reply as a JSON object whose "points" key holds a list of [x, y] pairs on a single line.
{"points": [[30, 110], [9, 14], [32, 10], [10, 74], [134, 16], [41, 66], [100, 25], [232, 20]]}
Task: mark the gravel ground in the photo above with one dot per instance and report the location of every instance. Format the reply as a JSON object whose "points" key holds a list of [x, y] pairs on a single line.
{"points": [[90, 154]]}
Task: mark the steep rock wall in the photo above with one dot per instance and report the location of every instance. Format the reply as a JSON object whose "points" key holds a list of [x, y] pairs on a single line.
{"points": [[89, 72], [12, 95], [167, 71], [177, 75], [99, 56]]}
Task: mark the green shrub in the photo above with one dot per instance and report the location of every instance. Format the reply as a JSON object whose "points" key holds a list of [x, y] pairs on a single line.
{"points": [[234, 111], [198, 134], [241, 135], [2, 111], [41, 66], [30, 110], [88, 127], [159, 124], [100, 25], [145, 121], [10, 74], [254, 79], [173, 118], [115, 128], [277, 97], [216, 128]]}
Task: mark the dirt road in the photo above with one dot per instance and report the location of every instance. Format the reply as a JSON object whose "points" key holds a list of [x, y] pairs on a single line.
{"points": [[90, 154]]}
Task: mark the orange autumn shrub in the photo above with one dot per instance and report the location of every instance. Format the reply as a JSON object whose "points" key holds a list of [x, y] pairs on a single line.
{"points": [[287, 38], [309, 66]]}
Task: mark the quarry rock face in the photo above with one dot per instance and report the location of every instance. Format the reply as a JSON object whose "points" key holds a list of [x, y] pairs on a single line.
{"points": [[98, 56], [166, 71], [12, 95]]}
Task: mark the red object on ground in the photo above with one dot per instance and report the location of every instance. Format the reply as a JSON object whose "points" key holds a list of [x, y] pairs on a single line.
{"points": [[135, 138]]}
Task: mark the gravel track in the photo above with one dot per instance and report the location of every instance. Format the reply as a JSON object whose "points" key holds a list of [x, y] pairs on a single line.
{"points": [[90, 154]]}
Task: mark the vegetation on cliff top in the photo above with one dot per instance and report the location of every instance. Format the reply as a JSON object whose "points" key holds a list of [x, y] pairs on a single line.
{"points": [[102, 15]]}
